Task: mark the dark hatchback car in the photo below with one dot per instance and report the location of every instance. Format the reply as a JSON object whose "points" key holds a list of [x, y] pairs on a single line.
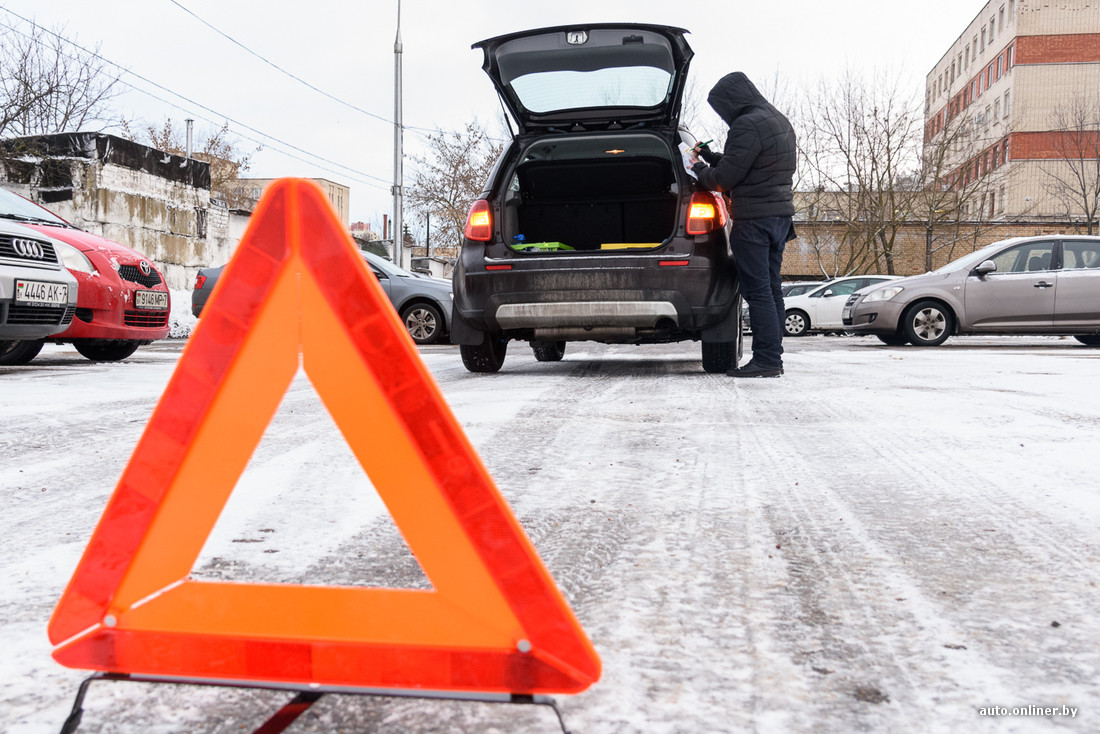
{"points": [[590, 227]]}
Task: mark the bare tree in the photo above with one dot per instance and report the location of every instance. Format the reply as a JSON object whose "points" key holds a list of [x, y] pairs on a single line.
{"points": [[216, 147], [49, 86], [863, 138], [1073, 178], [448, 179]]}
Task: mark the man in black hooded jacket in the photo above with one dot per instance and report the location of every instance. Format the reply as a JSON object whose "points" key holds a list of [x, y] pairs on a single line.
{"points": [[755, 171]]}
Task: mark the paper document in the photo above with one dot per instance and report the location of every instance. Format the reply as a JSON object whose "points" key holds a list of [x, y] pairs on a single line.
{"points": [[685, 152]]}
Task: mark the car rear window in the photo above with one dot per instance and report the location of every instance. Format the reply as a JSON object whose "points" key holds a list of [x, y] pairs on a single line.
{"points": [[610, 68]]}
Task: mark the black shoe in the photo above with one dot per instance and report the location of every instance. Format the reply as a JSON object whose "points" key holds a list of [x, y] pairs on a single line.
{"points": [[752, 369]]}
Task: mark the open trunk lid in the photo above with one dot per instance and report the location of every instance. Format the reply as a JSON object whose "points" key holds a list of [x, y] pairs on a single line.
{"points": [[602, 76]]}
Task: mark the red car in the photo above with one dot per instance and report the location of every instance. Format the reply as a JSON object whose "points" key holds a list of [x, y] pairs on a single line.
{"points": [[122, 299]]}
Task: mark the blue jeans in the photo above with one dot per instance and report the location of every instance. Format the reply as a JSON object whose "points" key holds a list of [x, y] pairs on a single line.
{"points": [[757, 246]]}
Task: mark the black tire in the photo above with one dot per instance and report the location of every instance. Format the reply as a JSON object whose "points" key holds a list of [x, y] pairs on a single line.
{"points": [[927, 323], [20, 351], [1091, 340], [548, 351], [797, 323], [103, 350], [719, 357], [423, 322], [485, 357], [893, 340]]}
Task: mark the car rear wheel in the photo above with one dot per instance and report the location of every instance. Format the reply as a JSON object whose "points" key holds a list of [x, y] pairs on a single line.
{"points": [[797, 323], [893, 340], [424, 323], [927, 324], [1092, 340], [106, 351], [548, 351], [719, 357], [20, 351], [485, 357]]}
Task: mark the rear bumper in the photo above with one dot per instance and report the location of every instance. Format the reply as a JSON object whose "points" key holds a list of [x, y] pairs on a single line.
{"points": [[602, 297]]}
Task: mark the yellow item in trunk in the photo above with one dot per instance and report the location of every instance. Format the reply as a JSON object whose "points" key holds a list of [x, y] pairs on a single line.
{"points": [[629, 245]]}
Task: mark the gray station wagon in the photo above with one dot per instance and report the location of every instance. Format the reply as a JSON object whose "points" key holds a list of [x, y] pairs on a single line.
{"points": [[1029, 285]]}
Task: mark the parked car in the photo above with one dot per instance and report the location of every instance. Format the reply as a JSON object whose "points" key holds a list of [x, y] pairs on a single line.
{"points": [[37, 295], [1029, 285], [794, 288], [423, 302], [819, 308], [122, 301], [590, 227]]}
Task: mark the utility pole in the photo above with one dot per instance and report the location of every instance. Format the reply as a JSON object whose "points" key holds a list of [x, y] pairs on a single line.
{"points": [[398, 140]]}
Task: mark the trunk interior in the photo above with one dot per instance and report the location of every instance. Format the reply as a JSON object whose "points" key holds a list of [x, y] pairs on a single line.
{"points": [[597, 203]]}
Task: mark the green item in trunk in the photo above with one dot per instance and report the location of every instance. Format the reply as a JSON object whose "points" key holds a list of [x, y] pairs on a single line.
{"points": [[540, 246]]}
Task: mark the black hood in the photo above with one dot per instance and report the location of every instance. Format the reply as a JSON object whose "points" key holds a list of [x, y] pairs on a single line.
{"points": [[732, 95]]}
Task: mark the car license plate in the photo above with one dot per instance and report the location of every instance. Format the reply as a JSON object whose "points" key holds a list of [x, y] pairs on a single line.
{"points": [[151, 300], [846, 313], [37, 293]]}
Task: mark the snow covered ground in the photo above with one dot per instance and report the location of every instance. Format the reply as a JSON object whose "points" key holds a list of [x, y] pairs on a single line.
{"points": [[885, 539]]}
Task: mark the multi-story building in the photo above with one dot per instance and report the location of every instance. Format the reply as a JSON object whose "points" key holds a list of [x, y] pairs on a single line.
{"points": [[250, 190], [1016, 103]]}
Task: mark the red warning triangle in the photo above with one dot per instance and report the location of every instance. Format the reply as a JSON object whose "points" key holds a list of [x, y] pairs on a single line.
{"points": [[297, 293]]}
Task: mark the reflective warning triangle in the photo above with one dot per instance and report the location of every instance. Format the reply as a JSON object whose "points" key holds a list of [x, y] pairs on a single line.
{"points": [[296, 293]]}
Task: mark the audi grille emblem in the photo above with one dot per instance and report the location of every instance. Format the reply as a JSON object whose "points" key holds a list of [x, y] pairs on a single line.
{"points": [[29, 249], [146, 268]]}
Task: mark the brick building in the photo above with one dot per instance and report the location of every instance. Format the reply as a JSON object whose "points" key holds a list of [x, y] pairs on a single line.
{"points": [[1019, 91]]}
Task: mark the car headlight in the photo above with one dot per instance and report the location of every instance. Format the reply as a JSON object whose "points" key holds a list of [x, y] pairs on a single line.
{"points": [[74, 259], [882, 294]]}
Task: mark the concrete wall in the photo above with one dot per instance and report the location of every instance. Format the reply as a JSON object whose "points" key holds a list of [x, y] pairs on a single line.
{"points": [[174, 224]]}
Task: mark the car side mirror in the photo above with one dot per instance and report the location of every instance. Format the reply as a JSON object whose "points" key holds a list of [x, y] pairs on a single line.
{"points": [[828, 293], [985, 268]]}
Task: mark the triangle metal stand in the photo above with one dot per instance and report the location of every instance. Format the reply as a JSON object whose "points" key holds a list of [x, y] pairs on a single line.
{"points": [[304, 697]]}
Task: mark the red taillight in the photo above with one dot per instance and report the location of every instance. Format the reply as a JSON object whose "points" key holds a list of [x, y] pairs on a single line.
{"points": [[479, 223], [674, 263], [706, 213], [200, 280]]}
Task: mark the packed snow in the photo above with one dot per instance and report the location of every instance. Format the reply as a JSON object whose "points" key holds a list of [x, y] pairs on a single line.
{"points": [[884, 539]]}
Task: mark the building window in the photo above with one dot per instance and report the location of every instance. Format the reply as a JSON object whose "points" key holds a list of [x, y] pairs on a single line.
{"points": [[983, 38], [1006, 104], [967, 56], [1001, 199], [952, 72], [1012, 8], [996, 111], [991, 19], [1001, 19], [1011, 55], [985, 118]]}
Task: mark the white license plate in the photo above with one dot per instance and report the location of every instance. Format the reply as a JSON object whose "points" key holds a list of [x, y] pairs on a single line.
{"points": [[37, 293], [151, 300], [846, 313]]}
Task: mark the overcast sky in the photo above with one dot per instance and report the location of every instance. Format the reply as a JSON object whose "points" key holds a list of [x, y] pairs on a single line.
{"points": [[345, 49]]}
